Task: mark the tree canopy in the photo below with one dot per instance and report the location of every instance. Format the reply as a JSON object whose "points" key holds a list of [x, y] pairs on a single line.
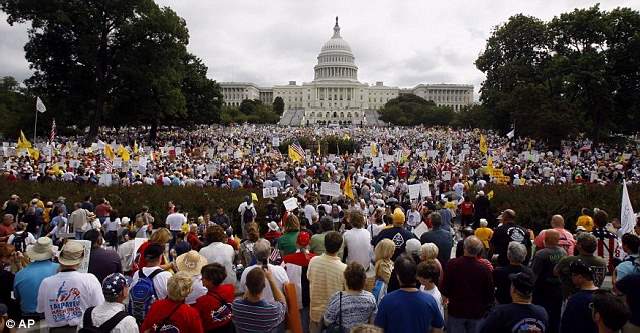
{"points": [[410, 110]]}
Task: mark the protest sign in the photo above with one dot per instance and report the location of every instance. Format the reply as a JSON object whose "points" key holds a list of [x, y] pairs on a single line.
{"points": [[290, 204], [330, 189], [414, 191], [269, 192], [425, 192]]}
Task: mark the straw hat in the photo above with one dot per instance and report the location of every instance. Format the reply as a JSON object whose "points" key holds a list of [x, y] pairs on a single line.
{"points": [[41, 250], [191, 262]]}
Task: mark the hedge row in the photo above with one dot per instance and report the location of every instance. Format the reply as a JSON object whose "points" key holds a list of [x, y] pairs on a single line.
{"points": [[534, 205]]}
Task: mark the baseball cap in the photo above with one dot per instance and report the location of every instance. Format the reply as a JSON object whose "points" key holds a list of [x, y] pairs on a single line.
{"points": [[153, 251], [522, 282], [303, 238], [579, 267]]}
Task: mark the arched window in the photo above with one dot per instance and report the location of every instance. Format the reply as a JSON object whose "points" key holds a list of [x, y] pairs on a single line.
{"points": [[335, 114], [341, 114], [349, 115]]}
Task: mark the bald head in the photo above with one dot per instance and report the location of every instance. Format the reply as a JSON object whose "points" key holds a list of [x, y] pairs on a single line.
{"points": [[557, 221], [551, 238]]}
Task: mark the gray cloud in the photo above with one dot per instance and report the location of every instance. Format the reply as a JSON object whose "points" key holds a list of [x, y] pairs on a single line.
{"points": [[402, 43]]}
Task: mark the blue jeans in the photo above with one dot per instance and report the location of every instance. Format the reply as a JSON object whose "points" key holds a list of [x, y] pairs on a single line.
{"points": [[462, 325], [79, 234]]}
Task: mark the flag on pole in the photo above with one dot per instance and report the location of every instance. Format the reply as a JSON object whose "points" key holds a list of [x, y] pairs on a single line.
{"points": [[529, 146], [135, 146], [124, 153], [511, 134], [374, 149], [295, 155], [348, 188], [318, 148], [484, 148], [627, 217], [53, 131], [40, 106], [23, 143], [108, 152]]}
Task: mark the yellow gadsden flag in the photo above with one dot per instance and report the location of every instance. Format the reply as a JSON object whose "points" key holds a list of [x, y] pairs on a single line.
{"points": [[294, 155], [124, 153], [489, 164], [23, 143], [374, 149], [108, 152], [484, 148], [348, 189]]}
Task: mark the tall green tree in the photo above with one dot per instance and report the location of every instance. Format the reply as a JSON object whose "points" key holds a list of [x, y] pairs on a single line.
{"points": [[410, 110], [278, 105], [71, 48], [203, 95]]}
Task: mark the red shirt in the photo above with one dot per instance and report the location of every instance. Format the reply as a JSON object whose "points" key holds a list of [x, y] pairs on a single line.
{"points": [[467, 208], [103, 210], [209, 307], [141, 261], [194, 241], [298, 258], [185, 317], [6, 230]]}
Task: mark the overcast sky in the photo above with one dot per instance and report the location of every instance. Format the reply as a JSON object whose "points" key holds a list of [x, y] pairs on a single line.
{"points": [[402, 43]]}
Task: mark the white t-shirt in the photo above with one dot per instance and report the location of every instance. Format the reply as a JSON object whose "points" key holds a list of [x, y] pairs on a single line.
{"points": [[175, 221], [358, 243], [65, 296], [222, 254], [279, 275], [308, 212], [109, 225], [436, 294], [413, 218], [159, 281]]}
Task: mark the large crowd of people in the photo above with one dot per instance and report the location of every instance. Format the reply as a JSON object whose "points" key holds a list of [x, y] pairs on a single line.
{"points": [[363, 265], [248, 156]]}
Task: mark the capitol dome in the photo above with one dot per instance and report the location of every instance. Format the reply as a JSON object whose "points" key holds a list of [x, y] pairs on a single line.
{"points": [[336, 61]]}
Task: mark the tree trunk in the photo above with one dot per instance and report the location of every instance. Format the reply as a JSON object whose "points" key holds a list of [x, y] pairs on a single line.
{"points": [[101, 84], [153, 133]]}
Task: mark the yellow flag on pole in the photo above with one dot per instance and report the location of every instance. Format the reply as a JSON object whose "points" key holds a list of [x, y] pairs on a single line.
{"points": [[124, 153], [490, 163], [374, 149], [348, 189], [490, 195], [108, 152], [135, 147], [294, 155], [484, 148], [23, 143]]}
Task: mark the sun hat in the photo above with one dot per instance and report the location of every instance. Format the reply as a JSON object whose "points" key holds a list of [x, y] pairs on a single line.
{"points": [[41, 250], [71, 254], [273, 226], [190, 262]]}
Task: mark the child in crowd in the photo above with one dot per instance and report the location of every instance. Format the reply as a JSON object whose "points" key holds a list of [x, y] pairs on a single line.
{"points": [[428, 275]]}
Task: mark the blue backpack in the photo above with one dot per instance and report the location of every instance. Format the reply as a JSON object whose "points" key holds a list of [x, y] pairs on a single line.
{"points": [[142, 295]]}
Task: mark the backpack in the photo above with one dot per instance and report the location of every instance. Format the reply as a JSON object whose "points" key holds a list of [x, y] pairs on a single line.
{"points": [[247, 215], [166, 326], [142, 295], [107, 326], [20, 241]]}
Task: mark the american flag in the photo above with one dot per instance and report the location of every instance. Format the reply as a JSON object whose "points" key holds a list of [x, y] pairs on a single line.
{"points": [[298, 149], [107, 165], [53, 131]]}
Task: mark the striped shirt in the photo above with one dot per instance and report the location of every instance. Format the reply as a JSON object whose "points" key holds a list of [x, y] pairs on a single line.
{"points": [[257, 317], [326, 277]]}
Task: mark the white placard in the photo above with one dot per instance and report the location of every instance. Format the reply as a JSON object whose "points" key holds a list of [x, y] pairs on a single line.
{"points": [[425, 191], [290, 204], [105, 179], [137, 242], [377, 162], [178, 151], [446, 175], [84, 264], [269, 192], [420, 229], [117, 162], [275, 141], [414, 191], [330, 189], [574, 159]]}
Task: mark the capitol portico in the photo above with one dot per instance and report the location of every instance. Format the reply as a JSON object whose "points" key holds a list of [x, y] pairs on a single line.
{"points": [[335, 96]]}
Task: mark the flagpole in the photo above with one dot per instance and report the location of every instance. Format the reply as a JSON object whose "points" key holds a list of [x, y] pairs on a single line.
{"points": [[35, 127]]}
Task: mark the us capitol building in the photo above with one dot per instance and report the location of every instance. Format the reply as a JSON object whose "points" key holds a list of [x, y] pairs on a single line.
{"points": [[335, 96]]}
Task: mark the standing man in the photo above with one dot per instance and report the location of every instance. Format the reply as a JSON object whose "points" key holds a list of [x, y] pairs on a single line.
{"points": [[252, 313], [579, 304], [175, 221], [247, 214], [102, 262], [466, 212], [326, 277], [520, 315], [566, 241], [442, 238], [28, 280], [103, 210], [469, 298], [508, 232], [115, 291], [398, 234], [65, 296], [585, 245], [79, 219], [548, 288], [408, 309]]}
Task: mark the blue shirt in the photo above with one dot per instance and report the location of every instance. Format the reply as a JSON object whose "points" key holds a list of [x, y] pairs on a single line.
{"points": [[27, 282], [628, 266], [405, 311], [577, 316]]}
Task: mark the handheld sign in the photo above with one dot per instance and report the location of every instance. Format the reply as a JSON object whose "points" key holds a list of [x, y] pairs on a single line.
{"points": [[269, 192], [330, 189], [290, 204]]}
